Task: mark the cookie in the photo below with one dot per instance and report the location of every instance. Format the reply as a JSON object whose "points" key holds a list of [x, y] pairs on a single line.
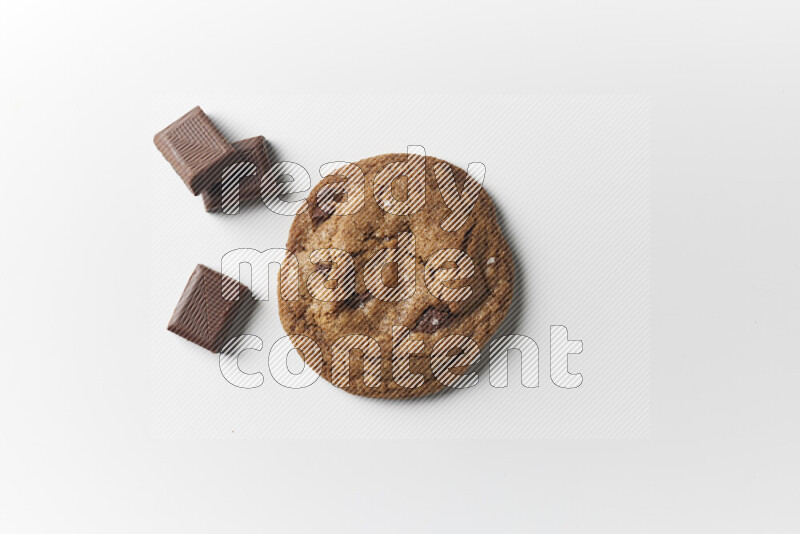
{"points": [[358, 310]]}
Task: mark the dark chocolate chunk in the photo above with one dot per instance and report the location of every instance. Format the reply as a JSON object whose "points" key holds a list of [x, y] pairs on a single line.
{"points": [[196, 150], [317, 215], [323, 266], [252, 161], [203, 315], [357, 301], [432, 319]]}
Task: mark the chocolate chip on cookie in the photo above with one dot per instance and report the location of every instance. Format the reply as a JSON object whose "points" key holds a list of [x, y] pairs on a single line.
{"points": [[432, 319]]}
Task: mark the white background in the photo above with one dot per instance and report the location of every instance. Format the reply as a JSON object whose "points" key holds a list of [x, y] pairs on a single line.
{"points": [[77, 449]]}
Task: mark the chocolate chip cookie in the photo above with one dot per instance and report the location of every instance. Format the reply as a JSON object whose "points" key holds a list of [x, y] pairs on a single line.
{"points": [[403, 276]]}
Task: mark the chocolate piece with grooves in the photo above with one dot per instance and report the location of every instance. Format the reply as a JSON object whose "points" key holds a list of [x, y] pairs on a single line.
{"points": [[252, 160], [203, 315], [196, 150]]}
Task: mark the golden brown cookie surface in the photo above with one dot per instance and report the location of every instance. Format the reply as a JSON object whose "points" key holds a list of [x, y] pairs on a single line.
{"points": [[341, 306]]}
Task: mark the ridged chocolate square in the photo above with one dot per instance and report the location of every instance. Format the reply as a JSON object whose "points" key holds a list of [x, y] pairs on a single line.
{"points": [[203, 315], [196, 150], [252, 163]]}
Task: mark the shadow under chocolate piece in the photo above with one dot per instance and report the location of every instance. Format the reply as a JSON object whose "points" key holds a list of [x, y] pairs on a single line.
{"points": [[252, 162], [203, 315], [196, 150]]}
